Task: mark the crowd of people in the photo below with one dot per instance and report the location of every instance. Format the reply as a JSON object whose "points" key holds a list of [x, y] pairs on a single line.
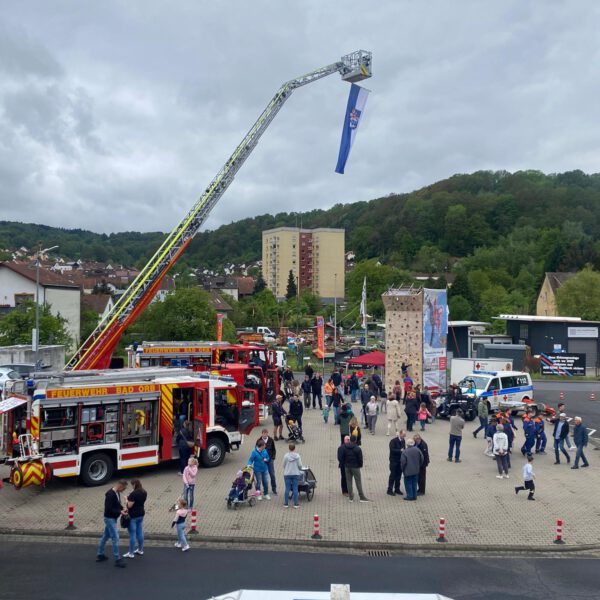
{"points": [[408, 451]]}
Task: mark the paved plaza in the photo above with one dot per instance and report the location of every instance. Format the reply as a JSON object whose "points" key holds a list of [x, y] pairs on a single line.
{"points": [[480, 510]]}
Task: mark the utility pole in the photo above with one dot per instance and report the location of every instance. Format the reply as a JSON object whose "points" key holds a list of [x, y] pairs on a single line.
{"points": [[36, 335]]}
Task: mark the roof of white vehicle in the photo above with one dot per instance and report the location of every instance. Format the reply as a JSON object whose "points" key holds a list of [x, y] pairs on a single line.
{"points": [[500, 373]]}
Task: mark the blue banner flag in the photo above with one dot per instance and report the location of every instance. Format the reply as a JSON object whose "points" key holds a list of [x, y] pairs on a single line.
{"points": [[354, 110]]}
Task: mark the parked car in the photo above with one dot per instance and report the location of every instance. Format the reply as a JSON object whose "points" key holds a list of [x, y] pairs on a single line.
{"points": [[8, 374], [24, 369]]}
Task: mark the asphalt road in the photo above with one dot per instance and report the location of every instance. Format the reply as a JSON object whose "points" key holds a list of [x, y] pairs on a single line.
{"points": [[577, 399], [64, 572]]}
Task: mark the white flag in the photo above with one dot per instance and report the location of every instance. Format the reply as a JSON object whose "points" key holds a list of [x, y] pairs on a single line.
{"points": [[363, 305]]}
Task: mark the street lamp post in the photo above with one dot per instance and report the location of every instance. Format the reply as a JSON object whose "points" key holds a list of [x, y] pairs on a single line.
{"points": [[334, 315], [37, 302]]}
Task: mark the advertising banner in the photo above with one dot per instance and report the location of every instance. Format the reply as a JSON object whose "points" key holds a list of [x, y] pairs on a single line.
{"points": [[435, 334], [320, 338], [565, 365], [220, 317]]}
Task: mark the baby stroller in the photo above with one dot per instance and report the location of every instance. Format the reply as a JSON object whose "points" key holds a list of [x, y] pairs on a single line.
{"points": [[294, 430], [241, 490], [307, 483]]}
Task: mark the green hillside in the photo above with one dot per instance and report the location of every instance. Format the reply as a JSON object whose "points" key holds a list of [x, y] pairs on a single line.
{"points": [[498, 231]]}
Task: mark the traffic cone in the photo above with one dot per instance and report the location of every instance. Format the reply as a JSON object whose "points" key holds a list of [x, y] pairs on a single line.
{"points": [[193, 526], [559, 531], [593, 396], [316, 529], [442, 531]]}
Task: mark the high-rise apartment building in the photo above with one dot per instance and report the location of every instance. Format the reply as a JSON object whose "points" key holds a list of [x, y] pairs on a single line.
{"points": [[315, 257]]}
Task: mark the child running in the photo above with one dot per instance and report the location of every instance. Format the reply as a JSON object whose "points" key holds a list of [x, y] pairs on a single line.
{"points": [[528, 477], [179, 522]]}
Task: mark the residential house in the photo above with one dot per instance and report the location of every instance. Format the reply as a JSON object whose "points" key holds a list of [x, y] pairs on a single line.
{"points": [[18, 283], [546, 302]]}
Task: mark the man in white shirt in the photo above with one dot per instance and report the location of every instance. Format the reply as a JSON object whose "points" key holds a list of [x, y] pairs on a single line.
{"points": [[528, 478]]}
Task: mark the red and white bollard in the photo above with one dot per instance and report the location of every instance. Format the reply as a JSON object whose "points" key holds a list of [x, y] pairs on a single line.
{"points": [[442, 530], [562, 395], [559, 532], [593, 396], [194, 524], [71, 524], [316, 529]]}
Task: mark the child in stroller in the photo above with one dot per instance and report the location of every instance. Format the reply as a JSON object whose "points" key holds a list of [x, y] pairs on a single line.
{"points": [[240, 489], [294, 430]]}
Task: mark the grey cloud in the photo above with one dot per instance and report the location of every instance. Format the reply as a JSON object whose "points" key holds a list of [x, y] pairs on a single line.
{"points": [[116, 115]]}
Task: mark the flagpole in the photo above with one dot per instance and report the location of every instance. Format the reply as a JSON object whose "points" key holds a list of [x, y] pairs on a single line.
{"points": [[363, 307]]}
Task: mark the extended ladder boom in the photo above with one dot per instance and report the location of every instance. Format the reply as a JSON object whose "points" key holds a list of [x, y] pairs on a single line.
{"points": [[96, 351]]}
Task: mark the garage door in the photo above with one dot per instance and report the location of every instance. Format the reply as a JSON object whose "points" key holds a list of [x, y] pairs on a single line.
{"points": [[587, 347]]}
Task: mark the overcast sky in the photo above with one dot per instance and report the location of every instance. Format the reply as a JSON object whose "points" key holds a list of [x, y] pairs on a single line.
{"points": [[114, 115]]}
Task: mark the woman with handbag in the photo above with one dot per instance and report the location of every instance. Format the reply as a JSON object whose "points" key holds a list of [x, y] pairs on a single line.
{"points": [[136, 512]]}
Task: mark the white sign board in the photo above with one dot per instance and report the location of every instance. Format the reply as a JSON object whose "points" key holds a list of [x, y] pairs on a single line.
{"points": [[583, 332]]}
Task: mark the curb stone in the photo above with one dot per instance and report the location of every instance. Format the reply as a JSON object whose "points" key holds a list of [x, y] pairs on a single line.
{"points": [[326, 544]]}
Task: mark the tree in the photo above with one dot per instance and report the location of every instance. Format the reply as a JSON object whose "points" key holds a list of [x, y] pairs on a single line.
{"points": [[186, 314], [260, 284], [460, 309], [87, 323], [292, 289], [580, 296], [17, 325]]}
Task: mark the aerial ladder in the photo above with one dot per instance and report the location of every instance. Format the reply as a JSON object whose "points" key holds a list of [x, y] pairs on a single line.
{"points": [[96, 351]]}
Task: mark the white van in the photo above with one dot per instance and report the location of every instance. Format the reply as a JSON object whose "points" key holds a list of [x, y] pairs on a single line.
{"points": [[506, 389]]}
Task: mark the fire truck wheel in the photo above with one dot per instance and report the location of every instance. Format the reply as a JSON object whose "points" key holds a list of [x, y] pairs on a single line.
{"points": [[214, 453], [97, 469], [16, 476]]}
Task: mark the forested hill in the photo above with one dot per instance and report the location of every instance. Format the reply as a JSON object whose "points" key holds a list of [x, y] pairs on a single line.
{"points": [[552, 220]]}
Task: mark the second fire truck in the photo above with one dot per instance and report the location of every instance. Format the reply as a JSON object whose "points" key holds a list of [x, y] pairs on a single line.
{"points": [[251, 365]]}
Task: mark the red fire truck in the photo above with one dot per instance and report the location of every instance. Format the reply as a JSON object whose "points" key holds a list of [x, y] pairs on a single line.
{"points": [[91, 425], [251, 365]]}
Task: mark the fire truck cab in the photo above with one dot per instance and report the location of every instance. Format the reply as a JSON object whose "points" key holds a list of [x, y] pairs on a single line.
{"points": [[91, 426]]}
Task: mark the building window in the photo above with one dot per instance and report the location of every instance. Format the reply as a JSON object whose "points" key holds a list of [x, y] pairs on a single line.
{"points": [[20, 298], [524, 331]]}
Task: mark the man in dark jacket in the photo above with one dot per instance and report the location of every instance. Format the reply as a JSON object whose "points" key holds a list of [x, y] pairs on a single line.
{"points": [[306, 391], [316, 384], [113, 509], [296, 410], [184, 445], [580, 437], [411, 408], [411, 462], [559, 435], [278, 415], [354, 386], [397, 445], [352, 459], [365, 396], [340, 457], [336, 378], [422, 446], [272, 452], [308, 370]]}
